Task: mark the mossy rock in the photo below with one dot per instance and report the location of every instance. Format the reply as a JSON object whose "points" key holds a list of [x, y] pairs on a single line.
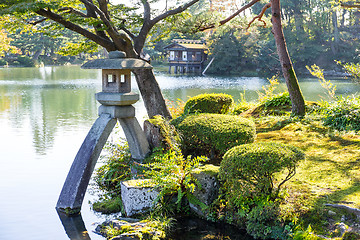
{"points": [[107, 206], [213, 134], [351, 236], [209, 103]]}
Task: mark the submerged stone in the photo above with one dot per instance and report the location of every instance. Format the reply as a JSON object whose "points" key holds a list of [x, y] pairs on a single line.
{"points": [[130, 228]]}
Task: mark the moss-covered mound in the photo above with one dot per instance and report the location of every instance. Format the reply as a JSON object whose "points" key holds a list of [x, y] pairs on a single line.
{"points": [[209, 103], [256, 165], [213, 134]]}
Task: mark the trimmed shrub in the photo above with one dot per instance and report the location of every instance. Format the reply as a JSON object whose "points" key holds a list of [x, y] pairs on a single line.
{"points": [[25, 61], [281, 99], [213, 134], [3, 62], [255, 165], [344, 114], [209, 103], [241, 107]]}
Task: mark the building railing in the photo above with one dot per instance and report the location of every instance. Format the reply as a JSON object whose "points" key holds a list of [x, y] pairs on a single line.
{"points": [[182, 60]]}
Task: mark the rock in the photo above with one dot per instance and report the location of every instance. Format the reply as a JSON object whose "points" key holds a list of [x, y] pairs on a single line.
{"points": [[207, 177], [342, 228], [331, 213], [136, 196], [153, 135], [131, 228]]}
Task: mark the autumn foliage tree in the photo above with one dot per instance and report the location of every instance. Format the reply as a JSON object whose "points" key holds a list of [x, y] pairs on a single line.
{"points": [[121, 27], [5, 44], [111, 26]]}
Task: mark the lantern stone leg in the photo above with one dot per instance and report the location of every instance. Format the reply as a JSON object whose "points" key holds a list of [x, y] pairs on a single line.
{"points": [[74, 189], [135, 136]]}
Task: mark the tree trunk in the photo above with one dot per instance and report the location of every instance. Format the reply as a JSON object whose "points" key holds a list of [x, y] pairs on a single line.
{"points": [[335, 44], [297, 99], [150, 91], [36, 55]]}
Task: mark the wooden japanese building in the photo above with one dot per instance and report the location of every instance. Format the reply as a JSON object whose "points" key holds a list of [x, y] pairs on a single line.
{"points": [[186, 55]]}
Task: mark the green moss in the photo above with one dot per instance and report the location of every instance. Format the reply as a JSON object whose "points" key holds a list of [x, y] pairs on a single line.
{"points": [[170, 136], [209, 103], [213, 134], [108, 206], [70, 211], [208, 169], [139, 183]]}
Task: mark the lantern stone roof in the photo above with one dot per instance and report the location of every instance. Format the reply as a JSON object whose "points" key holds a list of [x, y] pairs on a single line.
{"points": [[117, 60]]}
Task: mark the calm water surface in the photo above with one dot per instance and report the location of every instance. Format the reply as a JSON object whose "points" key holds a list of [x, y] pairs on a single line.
{"points": [[45, 114]]}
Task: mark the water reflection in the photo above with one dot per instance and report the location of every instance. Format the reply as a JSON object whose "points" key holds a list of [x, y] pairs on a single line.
{"points": [[74, 226], [48, 99], [45, 114]]}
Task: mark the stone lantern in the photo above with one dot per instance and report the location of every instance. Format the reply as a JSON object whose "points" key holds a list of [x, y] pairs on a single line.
{"points": [[116, 101]]}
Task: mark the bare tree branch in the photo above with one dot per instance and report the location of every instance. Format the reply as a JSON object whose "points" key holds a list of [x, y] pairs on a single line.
{"points": [[259, 17], [90, 13], [73, 11], [35, 22], [149, 23], [76, 28], [347, 5], [103, 4], [222, 22], [130, 34], [100, 13], [147, 10], [122, 41], [174, 11]]}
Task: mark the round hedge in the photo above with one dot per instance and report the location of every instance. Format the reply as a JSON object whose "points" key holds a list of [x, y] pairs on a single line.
{"points": [[213, 134], [209, 103], [256, 164]]}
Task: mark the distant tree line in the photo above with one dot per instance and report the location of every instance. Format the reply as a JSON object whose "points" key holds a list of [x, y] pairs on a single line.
{"points": [[317, 32]]}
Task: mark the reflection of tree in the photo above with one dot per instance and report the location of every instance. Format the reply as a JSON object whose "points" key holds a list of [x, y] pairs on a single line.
{"points": [[56, 106], [48, 102], [43, 130]]}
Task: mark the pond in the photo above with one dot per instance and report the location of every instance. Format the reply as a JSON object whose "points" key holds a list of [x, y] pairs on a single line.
{"points": [[45, 114]]}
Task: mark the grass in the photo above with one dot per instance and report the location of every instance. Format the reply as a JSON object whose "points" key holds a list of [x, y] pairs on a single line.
{"points": [[329, 174]]}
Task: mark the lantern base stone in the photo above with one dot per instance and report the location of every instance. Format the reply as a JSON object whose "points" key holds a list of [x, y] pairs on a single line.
{"points": [[117, 111]]}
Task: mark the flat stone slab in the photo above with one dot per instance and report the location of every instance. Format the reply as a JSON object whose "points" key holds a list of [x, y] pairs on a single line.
{"points": [[117, 99], [137, 196]]}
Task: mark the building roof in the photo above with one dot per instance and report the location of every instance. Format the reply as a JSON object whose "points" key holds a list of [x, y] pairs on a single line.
{"points": [[186, 46]]}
